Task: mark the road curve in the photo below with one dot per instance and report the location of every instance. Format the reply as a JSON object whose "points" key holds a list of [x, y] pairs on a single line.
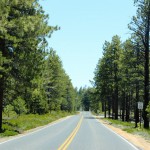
{"points": [[79, 132]]}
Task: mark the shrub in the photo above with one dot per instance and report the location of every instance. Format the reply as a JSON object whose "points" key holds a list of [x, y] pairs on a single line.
{"points": [[8, 110], [19, 105]]}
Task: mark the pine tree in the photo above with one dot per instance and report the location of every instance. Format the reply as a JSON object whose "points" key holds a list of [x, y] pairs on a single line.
{"points": [[140, 26], [23, 29], [54, 80]]}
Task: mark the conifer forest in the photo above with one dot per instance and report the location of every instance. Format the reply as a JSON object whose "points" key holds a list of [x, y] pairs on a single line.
{"points": [[34, 81]]}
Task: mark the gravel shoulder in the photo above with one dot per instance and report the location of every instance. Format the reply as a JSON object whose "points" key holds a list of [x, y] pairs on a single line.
{"points": [[136, 140]]}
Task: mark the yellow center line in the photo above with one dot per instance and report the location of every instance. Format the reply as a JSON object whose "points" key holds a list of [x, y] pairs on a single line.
{"points": [[71, 137]]}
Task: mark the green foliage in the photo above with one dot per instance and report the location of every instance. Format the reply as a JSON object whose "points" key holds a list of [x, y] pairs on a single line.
{"points": [[23, 31], [87, 99], [8, 110], [69, 95], [32, 79], [107, 75], [53, 80], [38, 104], [140, 27], [25, 122], [8, 132], [59, 89], [19, 105], [122, 74], [119, 78]]}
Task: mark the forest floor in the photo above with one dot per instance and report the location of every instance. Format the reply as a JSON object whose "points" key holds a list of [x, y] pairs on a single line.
{"points": [[137, 140]]}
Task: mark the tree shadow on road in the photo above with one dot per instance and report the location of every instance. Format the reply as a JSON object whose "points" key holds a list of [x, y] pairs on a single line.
{"points": [[89, 118]]}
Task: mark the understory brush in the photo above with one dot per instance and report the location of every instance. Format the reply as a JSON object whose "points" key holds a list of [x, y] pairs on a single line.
{"points": [[18, 124]]}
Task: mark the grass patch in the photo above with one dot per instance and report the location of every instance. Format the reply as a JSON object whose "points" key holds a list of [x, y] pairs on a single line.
{"points": [[130, 128], [19, 124]]}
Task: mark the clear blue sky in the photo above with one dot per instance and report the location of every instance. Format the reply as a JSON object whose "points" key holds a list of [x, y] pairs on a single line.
{"points": [[85, 25]]}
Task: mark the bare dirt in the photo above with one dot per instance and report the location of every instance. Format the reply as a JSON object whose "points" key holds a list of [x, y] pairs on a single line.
{"points": [[136, 140]]}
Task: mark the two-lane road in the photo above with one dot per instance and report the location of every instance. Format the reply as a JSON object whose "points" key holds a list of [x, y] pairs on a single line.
{"points": [[80, 132], [95, 136]]}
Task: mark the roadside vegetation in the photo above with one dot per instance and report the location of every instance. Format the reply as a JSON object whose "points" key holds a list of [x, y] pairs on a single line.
{"points": [[15, 124], [121, 78], [129, 127], [122, 74], [32, 77], [35, 88]]}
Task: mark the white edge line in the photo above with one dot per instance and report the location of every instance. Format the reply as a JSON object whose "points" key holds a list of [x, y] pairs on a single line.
{"points": [[32, 132], [120, 136]]}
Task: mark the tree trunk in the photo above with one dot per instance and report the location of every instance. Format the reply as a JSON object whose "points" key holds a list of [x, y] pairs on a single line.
{"points": [[146, 77], [136, 108], [1, 100], [123, 106], [116, 103], [136, 112], [113, 105], [146, 90], [109, 107], [105, 109], [127, 108], [2, 49]]}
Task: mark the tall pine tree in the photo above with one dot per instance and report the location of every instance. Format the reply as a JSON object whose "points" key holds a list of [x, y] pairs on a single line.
{"points": [[140, 26], [23, 30]]}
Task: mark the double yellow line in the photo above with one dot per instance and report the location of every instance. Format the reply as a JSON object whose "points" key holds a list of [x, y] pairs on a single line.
{"points": [[71, 137]]}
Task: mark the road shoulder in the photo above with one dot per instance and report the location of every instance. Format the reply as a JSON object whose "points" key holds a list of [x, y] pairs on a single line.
{"points": [[136, 140]]}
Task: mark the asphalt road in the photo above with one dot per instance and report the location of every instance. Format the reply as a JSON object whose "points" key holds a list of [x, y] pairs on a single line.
{"points": [[84, 132], [95, 136]]}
